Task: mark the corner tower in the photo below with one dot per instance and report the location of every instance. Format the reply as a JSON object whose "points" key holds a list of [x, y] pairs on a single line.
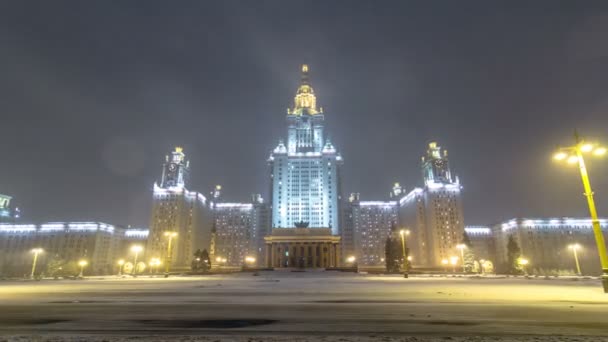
{"points": [[305, 171]]}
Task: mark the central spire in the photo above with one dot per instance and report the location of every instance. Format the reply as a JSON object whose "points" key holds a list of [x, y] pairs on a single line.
{"points": [[305, 101]]}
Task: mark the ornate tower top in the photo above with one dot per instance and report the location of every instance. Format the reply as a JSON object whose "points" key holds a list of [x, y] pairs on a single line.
{"points": [[175, 169], [435, 165], [305, 101]]}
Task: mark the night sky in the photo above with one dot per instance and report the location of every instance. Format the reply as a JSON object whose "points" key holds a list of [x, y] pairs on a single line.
{"points": [[95, 93]]}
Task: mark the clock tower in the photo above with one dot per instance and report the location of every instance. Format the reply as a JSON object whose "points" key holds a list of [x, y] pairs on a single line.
{"points": [[175, 170]]}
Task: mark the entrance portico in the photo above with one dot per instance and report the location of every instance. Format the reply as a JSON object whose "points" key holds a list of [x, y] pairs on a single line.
{"points": [[302, 248]]}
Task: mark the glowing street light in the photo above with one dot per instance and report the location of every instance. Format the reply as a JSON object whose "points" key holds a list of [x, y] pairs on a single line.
{"points": [[445, 263], [576, 156], [169, 235], [574, 247], [121, 262], [351, 259], [404, 233], [249, 260], [82, 264], [36, 251], [462, 247], [454, 262], [136, 249], [523, 262]]}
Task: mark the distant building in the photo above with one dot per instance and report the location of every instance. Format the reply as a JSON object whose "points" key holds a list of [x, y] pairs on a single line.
{"points": [[544, 242], [372, 221], [482, 241], [347, 226], [433, 214], [305, 173], [176, 209], [7, 213], [131, 237], [96, 242]]}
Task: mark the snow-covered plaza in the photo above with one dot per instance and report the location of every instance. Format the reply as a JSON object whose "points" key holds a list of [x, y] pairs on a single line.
{"points": [[286, 306]]}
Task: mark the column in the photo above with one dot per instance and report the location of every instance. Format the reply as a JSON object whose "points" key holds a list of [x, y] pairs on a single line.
{"points": [[314, 254], [268, 250], [332, 255], [279, 255], [306, 254], [339, 256]]}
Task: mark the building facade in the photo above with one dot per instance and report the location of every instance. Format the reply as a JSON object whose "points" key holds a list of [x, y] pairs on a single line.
{"points": [[302, 247], [97, 243], [372, 222], [433, 213], [305, 171], [545, 243], [482, 242], [175, 209]]}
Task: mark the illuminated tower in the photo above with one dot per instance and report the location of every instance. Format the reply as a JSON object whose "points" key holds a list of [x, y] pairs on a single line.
{"points": [[175, 209], [433, 213], [175, 170], [305, 172], [435, 166]]}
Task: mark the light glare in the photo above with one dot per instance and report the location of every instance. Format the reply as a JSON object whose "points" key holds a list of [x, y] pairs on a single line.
{"points": [[572, 160], [560, 156], [587, 147], [600, 151]]}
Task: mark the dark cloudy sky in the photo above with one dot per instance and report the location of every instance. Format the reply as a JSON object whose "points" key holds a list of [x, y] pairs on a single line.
{"points": [[93, 94]]}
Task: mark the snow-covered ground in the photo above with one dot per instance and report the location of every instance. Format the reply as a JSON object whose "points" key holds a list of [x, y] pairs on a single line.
{"points": [[286, 306]]}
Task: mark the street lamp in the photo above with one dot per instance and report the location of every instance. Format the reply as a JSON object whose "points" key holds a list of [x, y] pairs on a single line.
{"points": [[574, 247], [82, 264], [574, 155], [461, 247], [36, 251], [121, 262], [169, 235], [445, 263], [523, 262], [453, 261], [482, 265], [404, 233], [136, 249], [249, 261]]}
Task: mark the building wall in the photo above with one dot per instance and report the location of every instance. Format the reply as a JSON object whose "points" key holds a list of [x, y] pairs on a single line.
{"points": [[96, 242], [234, 223], [372, 223], [184, 212]]}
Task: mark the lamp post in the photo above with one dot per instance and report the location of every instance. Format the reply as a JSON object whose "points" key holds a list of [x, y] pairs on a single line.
{"points": [[574, 247], [82, 264], [135, 249], [36, 251], [445, 263], [461, 247], [574, 155], [121, 262], [404, 233], [482, 265], [169, 235]]}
